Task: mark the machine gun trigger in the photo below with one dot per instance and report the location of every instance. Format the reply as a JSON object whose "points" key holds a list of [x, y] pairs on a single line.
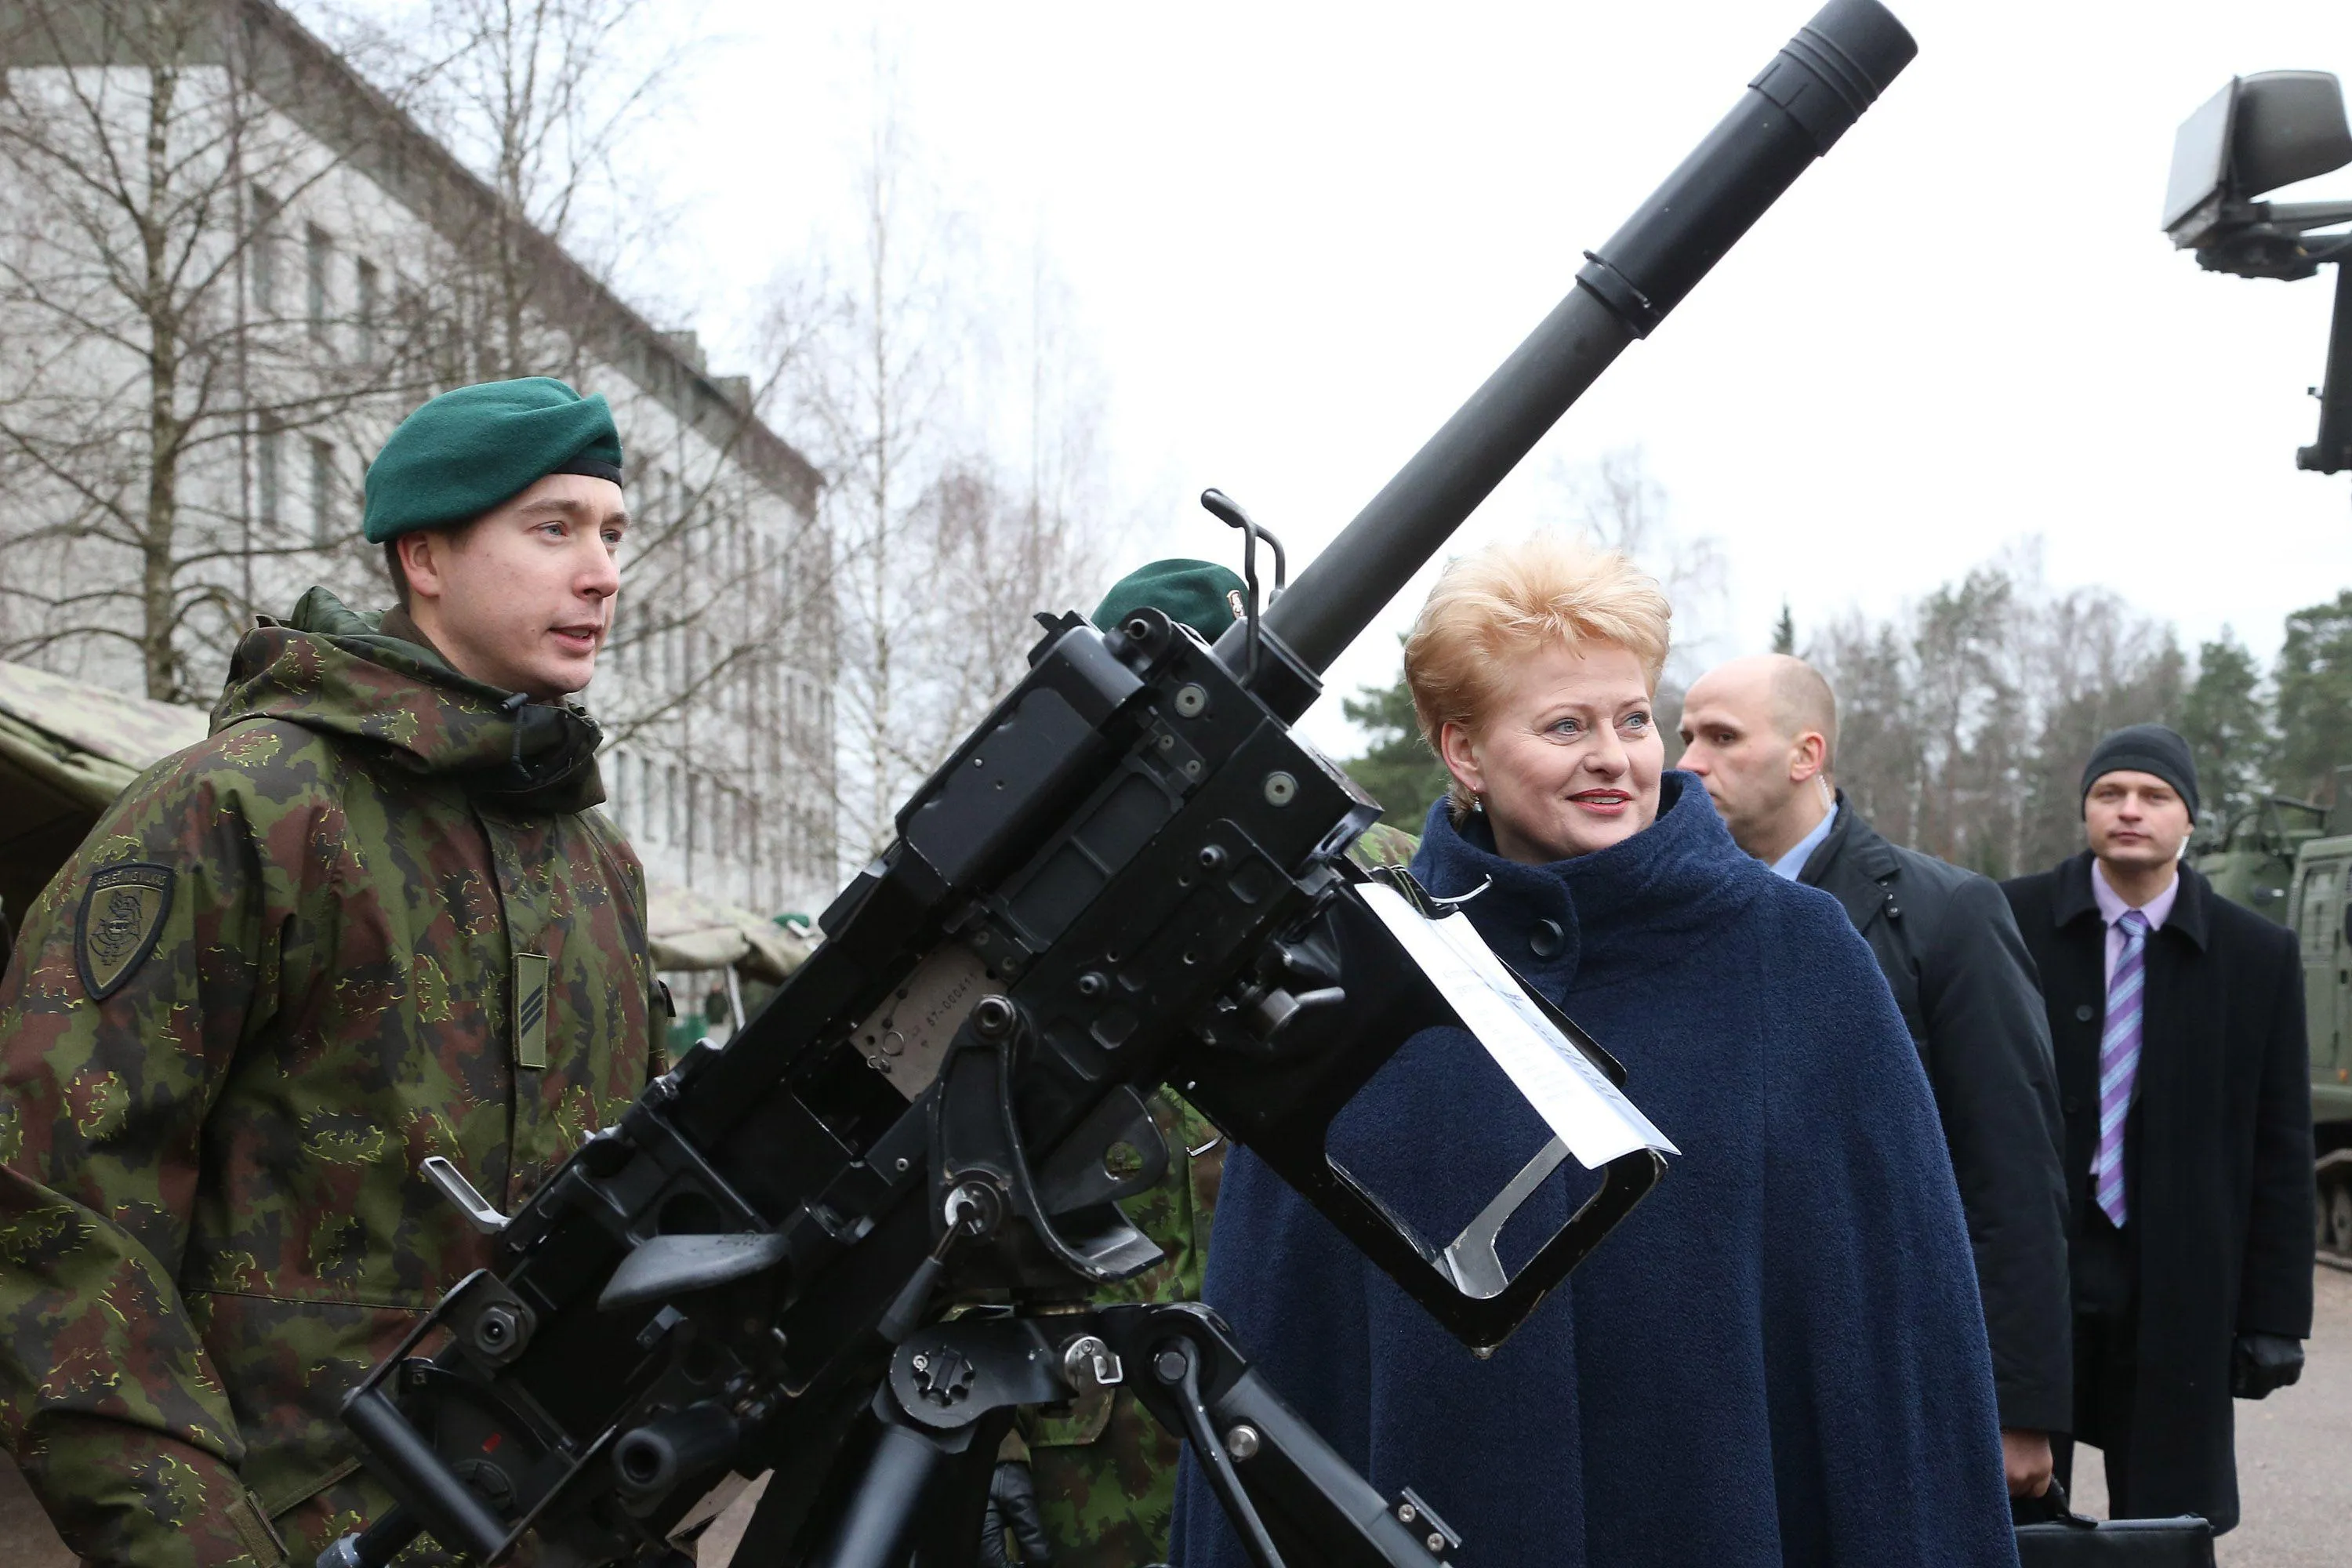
{"points": [[460, 1192]]}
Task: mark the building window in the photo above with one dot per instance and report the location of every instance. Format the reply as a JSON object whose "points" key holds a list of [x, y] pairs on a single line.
{"points": [[269, 475], [451, 369], [262, 242], [318, 256], [322, 491], [669, 804], [408, 322], [368, 287]]}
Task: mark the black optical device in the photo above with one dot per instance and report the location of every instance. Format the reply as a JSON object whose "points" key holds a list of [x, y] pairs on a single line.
{"points": [[849, 1246], [2257, 133]]}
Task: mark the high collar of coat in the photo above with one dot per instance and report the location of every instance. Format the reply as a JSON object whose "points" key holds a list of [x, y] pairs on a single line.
{"points": [[1853, 839], [2073, 898], [1681, 874], [1856, 847]]}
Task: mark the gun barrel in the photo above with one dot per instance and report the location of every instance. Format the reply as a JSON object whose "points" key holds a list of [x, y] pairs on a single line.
{"points": [[1793, 111]]}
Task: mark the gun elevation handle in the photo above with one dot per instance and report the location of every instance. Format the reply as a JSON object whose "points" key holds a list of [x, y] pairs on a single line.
{"points": [[1793, 111]]}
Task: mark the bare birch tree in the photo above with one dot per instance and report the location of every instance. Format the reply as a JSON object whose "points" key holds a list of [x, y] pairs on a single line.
{"points": [[162, 354], [1619, 504], [1615, 502], [1966, 720], [868, 404], [943, 548], [541, 99]]}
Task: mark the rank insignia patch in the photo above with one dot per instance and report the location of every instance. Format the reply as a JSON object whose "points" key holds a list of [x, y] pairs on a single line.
{"points": [[122, 915], [530, 1010]]}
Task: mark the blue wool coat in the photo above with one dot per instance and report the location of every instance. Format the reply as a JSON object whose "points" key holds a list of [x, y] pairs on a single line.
{"points": [[1777, 1358]]}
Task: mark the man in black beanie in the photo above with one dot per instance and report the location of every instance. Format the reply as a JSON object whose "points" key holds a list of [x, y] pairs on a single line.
{"points": [[2144, 749], [2185, 1079]]}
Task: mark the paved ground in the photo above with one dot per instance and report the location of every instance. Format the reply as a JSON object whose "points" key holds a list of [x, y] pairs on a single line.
{"points": [[2294, 1469], [2295, 1456], [25, 1539]]}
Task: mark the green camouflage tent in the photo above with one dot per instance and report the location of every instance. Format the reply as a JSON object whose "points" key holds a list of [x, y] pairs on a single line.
{"points": [[692, 931], [66, 748], [708, 953]]}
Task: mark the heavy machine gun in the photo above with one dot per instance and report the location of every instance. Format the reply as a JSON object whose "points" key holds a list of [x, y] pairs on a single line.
{"points": [[847, 1245]]}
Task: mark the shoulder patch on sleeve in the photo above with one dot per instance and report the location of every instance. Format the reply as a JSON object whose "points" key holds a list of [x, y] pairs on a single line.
{"points": [[122, 913]]}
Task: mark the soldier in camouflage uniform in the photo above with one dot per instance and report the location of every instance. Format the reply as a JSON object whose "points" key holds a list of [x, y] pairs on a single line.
{"points": [[1105, 1475], [371, 919]]}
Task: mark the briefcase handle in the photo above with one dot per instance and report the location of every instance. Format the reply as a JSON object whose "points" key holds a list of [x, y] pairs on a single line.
{"points": [[2053, 1507]]}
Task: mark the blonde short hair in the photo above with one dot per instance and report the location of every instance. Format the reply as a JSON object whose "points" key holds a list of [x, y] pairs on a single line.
{"points": [[1497, 606]]}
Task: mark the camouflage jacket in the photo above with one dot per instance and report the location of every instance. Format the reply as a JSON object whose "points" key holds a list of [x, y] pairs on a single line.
{"points": [[1105, 1474], [369, 919]]}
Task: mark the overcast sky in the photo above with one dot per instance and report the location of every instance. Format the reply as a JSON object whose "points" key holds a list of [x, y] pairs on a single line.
{"points": [[1299, 236]]}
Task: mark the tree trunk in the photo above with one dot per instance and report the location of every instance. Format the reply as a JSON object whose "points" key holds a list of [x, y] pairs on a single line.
{"points": [[158, 621]]}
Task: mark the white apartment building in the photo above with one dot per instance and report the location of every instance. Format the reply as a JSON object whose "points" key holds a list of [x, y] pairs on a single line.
{"points": [[340, 267]]}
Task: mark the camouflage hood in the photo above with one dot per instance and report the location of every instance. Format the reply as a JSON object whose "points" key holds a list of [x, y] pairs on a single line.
{"points": [[336, 672]]}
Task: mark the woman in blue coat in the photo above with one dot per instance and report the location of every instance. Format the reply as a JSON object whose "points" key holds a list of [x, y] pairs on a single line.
{"points": [[1779, 1356]]}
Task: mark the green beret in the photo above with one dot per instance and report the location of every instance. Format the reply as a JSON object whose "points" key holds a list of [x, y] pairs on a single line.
{"points": [[468, 450], [1194, 592]]}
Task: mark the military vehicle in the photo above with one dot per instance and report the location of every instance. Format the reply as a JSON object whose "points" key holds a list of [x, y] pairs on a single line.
{"points": [[2289, 860]]}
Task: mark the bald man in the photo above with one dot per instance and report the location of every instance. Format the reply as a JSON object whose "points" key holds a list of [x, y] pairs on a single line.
{"points": [[1761, 734]]}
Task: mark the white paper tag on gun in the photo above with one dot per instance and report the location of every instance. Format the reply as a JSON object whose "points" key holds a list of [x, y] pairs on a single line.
{"points": [[1590, 1114]]}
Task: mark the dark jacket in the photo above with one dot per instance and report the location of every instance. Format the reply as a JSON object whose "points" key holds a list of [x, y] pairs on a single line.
{"points": [[2217, 1155], [1777, 1358], [1945, 940]]}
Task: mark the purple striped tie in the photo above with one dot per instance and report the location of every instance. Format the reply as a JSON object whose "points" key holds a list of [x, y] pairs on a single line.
{"points": [[2119, 1063]]}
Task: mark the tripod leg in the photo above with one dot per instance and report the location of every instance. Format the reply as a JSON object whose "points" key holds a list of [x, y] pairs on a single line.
{"points": [[1180, 1364], [876, 1530], [959, 1499]]}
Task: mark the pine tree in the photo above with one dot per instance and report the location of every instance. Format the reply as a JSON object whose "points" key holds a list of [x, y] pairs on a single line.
{"points": [[1398, 767], [2228, 727], [2314, 697], [1784, 632]]}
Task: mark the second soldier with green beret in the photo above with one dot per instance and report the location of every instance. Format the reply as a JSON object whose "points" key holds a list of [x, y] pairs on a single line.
{"points": [[372, 919]]}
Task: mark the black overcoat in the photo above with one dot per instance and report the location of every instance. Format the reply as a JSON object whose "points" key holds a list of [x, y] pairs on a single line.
{"points": [[1961, 979], [2217, 1155]]}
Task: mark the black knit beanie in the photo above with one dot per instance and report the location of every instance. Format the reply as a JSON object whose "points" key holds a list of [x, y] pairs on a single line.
{"points": [[2145, 748]]}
